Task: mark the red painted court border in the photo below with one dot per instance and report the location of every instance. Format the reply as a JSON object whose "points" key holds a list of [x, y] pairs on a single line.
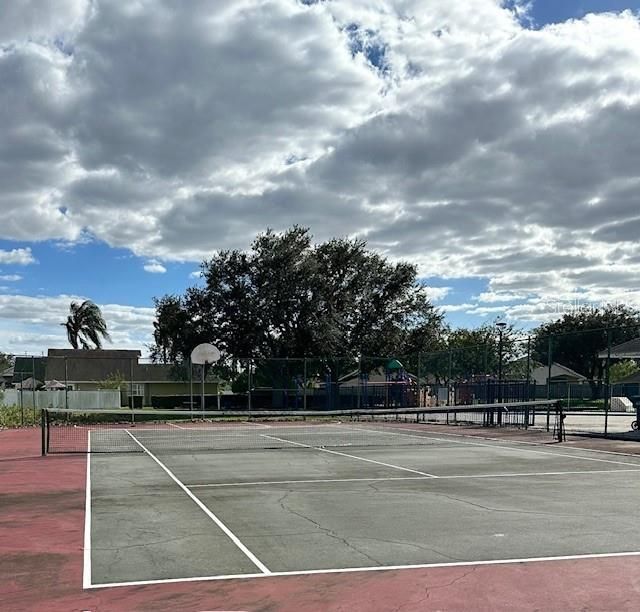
{"points": [[42, 512]]}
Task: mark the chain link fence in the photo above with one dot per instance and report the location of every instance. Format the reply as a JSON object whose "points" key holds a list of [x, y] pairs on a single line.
{"points": [[575, 367]]}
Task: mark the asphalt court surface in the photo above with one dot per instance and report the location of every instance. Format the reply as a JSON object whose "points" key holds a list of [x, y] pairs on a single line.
{"points": [[301, 509]]}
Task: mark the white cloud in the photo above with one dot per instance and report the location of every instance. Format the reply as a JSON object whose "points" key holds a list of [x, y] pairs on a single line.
{"points": [[17, 257], [10, 278], [196, 274], [154, 267], [500, 296], [446, 133], [437, 294]]}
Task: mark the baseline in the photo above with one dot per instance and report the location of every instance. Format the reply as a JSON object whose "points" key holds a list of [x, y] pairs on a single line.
{"points": [[376, 568]]}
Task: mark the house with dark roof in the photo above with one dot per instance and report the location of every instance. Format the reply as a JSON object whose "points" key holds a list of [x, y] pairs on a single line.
{"points": [[559, 373], [627, 350], [89, 370], [28, 367]]}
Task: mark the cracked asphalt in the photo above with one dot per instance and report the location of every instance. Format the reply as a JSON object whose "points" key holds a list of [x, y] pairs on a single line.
{"points": [[144, 527]]}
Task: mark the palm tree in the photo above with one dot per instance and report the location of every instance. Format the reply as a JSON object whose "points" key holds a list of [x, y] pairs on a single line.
{"points": [[85, 324]]}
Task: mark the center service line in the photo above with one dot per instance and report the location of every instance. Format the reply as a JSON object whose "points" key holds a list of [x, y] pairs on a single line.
{"points": [[261, 566], [333, 452]]}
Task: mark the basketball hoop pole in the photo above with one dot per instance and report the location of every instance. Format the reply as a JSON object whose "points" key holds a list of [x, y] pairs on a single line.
{"points": [[202, 355]]}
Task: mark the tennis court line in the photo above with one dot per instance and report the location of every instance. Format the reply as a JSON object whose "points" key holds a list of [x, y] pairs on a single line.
{"points": [[86, 555], [232, 536], [215, 485], [528, 442], [376, 568], [524, 450], [334, 452]]}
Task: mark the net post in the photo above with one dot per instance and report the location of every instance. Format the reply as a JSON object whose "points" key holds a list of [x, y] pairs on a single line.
{"points": [[43, 431], [560, 421]]}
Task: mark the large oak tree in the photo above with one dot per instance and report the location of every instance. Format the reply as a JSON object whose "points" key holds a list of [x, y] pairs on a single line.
{"points": [[288, 297]]}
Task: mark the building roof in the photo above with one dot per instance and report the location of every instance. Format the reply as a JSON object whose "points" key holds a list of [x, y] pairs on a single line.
{"points": [[53, 385], [153, 372], [95, 353], [28, 383], [627, 350], [8, 373], [376, 375], [75, 365], [558, 372], [24, 367]]}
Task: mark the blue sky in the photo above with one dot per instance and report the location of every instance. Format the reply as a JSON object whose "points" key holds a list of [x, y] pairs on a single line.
{"points": [[555, 11], [129, 154]]}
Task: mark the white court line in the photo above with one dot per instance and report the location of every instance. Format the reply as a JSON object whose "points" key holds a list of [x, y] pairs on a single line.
{"points": [[86, 568], [510, 448], [334, 452], [394, 478], [263, 568], [245, 426], [529, 442], [377, 568], [320, 480]]}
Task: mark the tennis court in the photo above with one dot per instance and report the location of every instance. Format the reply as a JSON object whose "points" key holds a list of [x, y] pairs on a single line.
{"points": [[203, 500]]}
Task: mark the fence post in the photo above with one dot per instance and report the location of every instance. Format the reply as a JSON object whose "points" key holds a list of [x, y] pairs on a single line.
{"points": [[607, 383], [304, 384], [549, 362], [190, 385], [43, 433], [33, 386], [131, 400], [359, 402], [66, 386], [249, 384], [21, 399], [419, 383], [449, 370], [528, 367]]}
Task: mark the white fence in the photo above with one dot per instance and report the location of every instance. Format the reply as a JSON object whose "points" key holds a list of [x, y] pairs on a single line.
{"points": [[56, 399]]}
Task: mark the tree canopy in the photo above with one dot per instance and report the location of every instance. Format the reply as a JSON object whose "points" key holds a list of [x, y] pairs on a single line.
{"points": [[6, 361], [288, 297], [578, 337], [622, 369], [85, 325]]}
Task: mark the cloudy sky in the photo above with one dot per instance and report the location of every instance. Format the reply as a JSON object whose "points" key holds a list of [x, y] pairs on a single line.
{"points": [[494, 143]]}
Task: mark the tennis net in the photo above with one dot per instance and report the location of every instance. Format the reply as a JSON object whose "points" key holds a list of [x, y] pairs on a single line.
{"points": [[120, 431]]}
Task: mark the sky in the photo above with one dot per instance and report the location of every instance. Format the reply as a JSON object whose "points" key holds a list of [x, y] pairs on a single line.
{"points": [[493, 143]]}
